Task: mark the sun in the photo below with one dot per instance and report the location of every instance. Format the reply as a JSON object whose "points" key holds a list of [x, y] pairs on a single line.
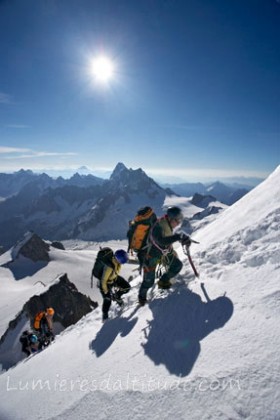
{"points": [[102, 69]]}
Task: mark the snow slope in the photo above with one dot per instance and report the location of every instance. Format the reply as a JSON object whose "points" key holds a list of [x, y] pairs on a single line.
{"points": [[206, 349]]}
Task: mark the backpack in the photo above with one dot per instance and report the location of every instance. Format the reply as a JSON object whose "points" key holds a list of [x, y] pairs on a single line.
{"points": [[139, 228], [38, 319], [24, 336], [104, 257]]}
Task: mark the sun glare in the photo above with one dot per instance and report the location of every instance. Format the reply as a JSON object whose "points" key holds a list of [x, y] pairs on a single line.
{"points": [[102, 69]]}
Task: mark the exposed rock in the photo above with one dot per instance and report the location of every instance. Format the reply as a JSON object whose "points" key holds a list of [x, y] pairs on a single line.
{"points": [[207, 212], [123, 194], [58, 245], [203, 201], [69, 304], [32, 247]]}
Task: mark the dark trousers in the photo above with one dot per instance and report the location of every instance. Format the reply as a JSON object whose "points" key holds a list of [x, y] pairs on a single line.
{"points": [[123, 287], [172, 265], [26, 349], [44, 327]]}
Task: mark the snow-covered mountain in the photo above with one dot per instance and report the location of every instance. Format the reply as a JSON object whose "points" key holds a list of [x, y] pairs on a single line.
{"points": [[81, 208], [12, 184], [126, 191], [227, 194], [84, 206], [52, 214], [206, 349]]}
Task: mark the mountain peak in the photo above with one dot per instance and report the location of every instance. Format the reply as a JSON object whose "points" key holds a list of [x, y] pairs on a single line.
{"points": [[83, 170], [24, 171], [120, 167], [32, 247]]}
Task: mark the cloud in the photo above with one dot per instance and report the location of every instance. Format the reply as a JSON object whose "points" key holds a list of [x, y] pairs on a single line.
{"points": [[22, 153], [8, 150], [5, 98], [17, 126], [34, 154], [205, 173]]}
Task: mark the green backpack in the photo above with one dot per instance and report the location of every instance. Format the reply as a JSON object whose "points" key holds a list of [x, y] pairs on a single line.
{"points": [[104, 257]]}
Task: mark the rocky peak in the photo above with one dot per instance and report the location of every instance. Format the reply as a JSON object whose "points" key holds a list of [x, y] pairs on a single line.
{"points": [[76, 176], [203, 201], [24, 172], [131, 179], [32, 247], [119, 171]]}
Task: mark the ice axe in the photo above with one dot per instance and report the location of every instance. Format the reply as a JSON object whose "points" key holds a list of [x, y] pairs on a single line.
{"points": [[186, 250]]}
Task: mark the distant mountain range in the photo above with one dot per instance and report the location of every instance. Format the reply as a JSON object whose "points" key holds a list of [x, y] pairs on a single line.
{"points": [[224, 193], [11, 184], [85, 206]]}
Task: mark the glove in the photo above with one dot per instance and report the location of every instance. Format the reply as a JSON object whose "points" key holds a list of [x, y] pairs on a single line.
{"points": [[185, 240], [114, 296]]}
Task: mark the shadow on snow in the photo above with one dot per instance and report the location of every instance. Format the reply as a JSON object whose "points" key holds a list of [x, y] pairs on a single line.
{"points": [[180, 321], [23, 269], [109, 332]]}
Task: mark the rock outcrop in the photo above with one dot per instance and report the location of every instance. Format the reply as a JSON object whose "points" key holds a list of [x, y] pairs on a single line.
{"points": [[32, 247], [69, 304]]}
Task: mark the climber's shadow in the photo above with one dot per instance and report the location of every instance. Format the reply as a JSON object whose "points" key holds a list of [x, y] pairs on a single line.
{"points": [[109, 332], [180, 321]]}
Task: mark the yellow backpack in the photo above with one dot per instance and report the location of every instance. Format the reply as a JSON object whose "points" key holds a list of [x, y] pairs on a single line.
{"points": [[139, 228]]}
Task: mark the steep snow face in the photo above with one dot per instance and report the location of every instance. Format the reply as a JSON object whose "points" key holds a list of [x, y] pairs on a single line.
{"points": [[248, 211], [246, 234], [206, 349]]}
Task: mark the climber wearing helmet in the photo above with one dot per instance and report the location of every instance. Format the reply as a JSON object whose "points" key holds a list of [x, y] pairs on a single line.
{"points": [[29, 342], [110, 278], [161, 251]]}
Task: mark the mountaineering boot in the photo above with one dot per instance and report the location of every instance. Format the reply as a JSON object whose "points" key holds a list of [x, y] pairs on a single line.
{"points": [[104, 317], [164, 284]]}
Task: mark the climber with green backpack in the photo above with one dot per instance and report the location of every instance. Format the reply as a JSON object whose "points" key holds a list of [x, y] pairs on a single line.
{"points": [[160, 251], [106, 269]]}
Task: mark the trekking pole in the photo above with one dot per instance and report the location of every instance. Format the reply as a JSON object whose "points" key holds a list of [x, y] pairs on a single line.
{"points": [[186, 250]]}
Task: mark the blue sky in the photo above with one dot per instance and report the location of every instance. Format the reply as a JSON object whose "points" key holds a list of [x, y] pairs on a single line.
{"points": [[195, 92]]}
